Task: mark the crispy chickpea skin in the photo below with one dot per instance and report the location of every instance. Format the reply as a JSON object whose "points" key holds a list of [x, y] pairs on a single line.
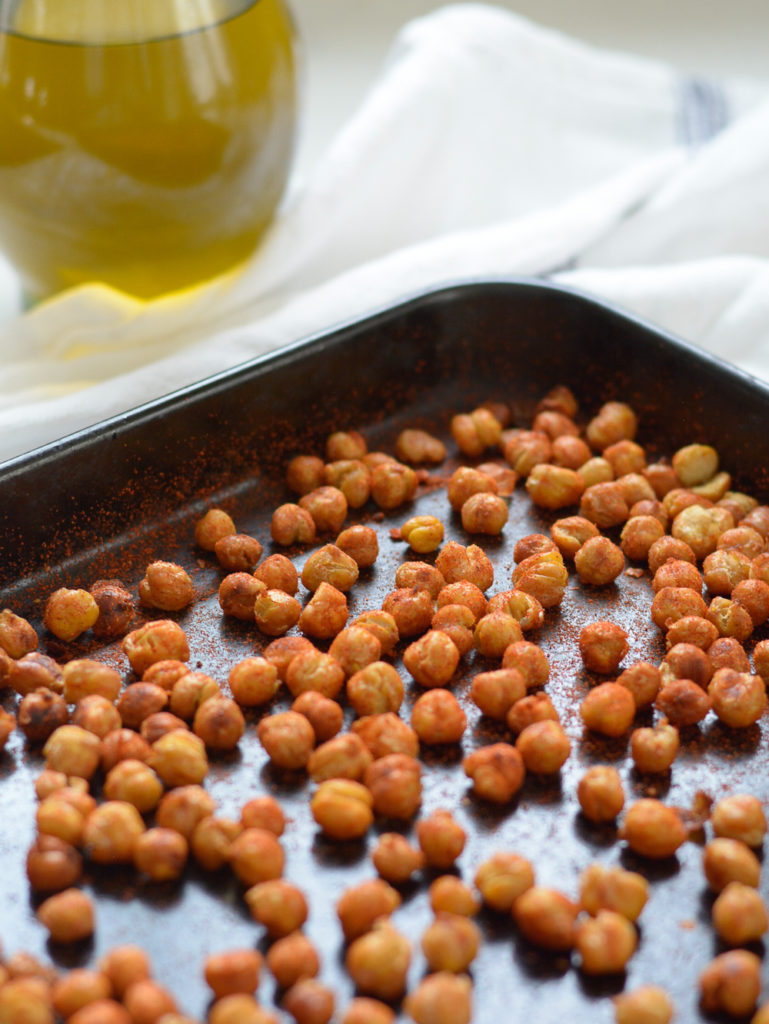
{"points": [[159, 640], [253, 682], [342, 808], [292, 524], [544, 576], [136, 783], [278, 573], [40, 713], [502, 879], [729, 860], [362, 905], [72, 750], [360, 543], [527, 449], [546, 918], [484, 514], [613, 888], [68, 916], [117, 609], [69, 613], [731, 983], [604, 504], [465, 593], [409, 575], [605, 943], [602, 646], [608, 709], [276, 612], [683, 702], [645, 1005], [238, 592], [238, 552], [181, 809], [457, 621], [17, 635], [497, 771], [599, 561], [728, 652], [378, 962], [437, 717], [166, 586], [740, 816], [288, 739], [638, 535], [325, 614], [554, 487], [600, 794], [441, 839], [654, 750], [535, 707], [494, 693], [395, 784], [423, 534], [571, 533], [330, 564], [652, 829], [292, 958], [494, 632], [673, 603], [304, 473], [523, 607], [277, 905], [544, 747]]}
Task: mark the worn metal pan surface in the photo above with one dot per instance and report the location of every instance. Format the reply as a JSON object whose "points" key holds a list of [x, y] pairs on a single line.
{"points": [[109, 500]]}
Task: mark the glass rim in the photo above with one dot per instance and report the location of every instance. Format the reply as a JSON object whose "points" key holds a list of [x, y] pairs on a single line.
{"points": [[7, 13]]}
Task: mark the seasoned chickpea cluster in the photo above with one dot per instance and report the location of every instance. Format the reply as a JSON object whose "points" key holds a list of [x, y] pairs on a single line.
{"points": [[357, 705]]}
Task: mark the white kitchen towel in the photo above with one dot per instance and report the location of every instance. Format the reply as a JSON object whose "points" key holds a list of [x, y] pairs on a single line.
{"points": [[489, 147]]}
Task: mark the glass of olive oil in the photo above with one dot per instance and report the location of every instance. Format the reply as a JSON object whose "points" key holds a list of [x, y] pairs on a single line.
{"points": [[143, 143]]}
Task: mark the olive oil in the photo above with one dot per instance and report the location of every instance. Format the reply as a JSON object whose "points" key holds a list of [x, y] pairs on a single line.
{"points": [[144, 143]]}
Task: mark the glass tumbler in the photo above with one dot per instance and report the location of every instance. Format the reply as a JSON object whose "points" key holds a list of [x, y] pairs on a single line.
{"points": [[143, 143]]}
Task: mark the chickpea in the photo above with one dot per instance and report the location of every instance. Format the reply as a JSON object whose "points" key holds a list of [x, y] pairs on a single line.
{"points": [[255, 855], [463, 592], [442, 998], [167, 586], [608, 709], [309, 1002], [135, 783], [147, 1001], [451, 943], [53, 864], [69, 613], [497, 771], [330, 564], [555, 424], [683, 702], [643, 681], [83, 677], [753, 596], [395, 784], [701, 528], [466, 482], [395, 859], [528, 659], [613, 889], [292, 958], [362, 905], [72, 750], [277, 905], [343, 808], [533, 708], [600, 794], [599, 561], [605, 943], [496, 692], [343, 757], [543, 576], [254, 682], [409, 575], [476, 431], [161, 853], [392, 485], [651, 829], [238, 593], [695, 464], [375, 689], [554, 487], [345, 444], [40, 714], [504, 477], [418, 446], [730, 860], [569, 451], [352, 477], [17, 635], [741, 538], [423, 533], [739, 914], [155, 641], [305, 473], [635, 488], [411, 609], [378, 962], [239, 1009], [546, 918], [731, 983], [441, 839], [183, 808], [324, 715], [292, 524], [615, 421], [449, 895], [495, 632], [33, 672], [758, 518], [280, 652], [360, 543], [728, 652], [276, 612], [527, 449], [25, 1000], [235, 971], [68, 916], [723, 569], [211, 840], [523, 607], [362, 1010], [313, 670], [189, 692], [639, 533], [124, 965], [387, 734], [571, 533], [502, 879], [470, 563], [596, 471], [673, 603], [738, 698], [692, 629], [532, 544], [139, 700], [646, 1005], [680, 498], [328, 508], [687, 661], [604, 504], [157, 725], [457, 621], [219, 722], [432, 660], [544, 747], [740, 817], [120, 744], [110, 832], [238, 552], [355, 648], [654, 508], [654, 750], [56, 816], [78, 988], [602, 646], [561, 399], [325, 614], [179, 758], [288, 739], [437, 717], [667, 548], [278, 573], [730, 618], [761, 659]]}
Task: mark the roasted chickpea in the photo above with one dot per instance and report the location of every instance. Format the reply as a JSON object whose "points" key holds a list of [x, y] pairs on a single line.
{"points": [[466, 482], [730, 860], [596, 471], [378, 962], [110, 832], [277, 905], [324, 715], [292, 524], [386, 734], [292, 958], [638, 535], [124, 965], [497, 771], [288, 739], [157, 725], [652, 829], [437, 717], [239, 1009], [532, 544], [189, 692], [739, 915], [496, 692], [502, 879], [738, 698], [723, 569], [238, 593], [362, 905], [68, 916], [33, 672], [546, 918], [692, 629], [255, 855], [673, 603], [544, 576], [343, 808], [731, 983], [167, 586], [355, 648], [667, 548], [77, 989], [211, 840], [571, 533], [604, 504], [643, 681], [68, 613], [409, 575], [683, 702], [343, 757], [56, 816], [119, 744], [476, 431], [608, 709], [72, 750], [457, 621], [432, 660], [7, 725], [313, 670], [253, 681], [495, 632], [235, 971], [353, 479], [395, 784], [527, 449], [277, 573], [544, 747], [602, 646], [646, 1005], [40, 713], [328, 508], [465, 593], [728, 652], [753, 596], [442, 998], [213, 526], [330, 564], [238, 552], [613, 888], [392, 485], [17, 635], [139, 700], [325, 614], [309, 1002], [423, 533], [160, 640], [179, 758], [615, 421], [375, 689], [276, 612], [411, 609], [305, 473], [449, 895], [529, 659], [395, 859], [219, 722], [701, 528], [161, 853], [117, 609], [740, 817], [362, 1010], [53, 864], [504, 477], [183, 808], [360, 543], [470, 563], [605, 943], [569, 451], [600, 794], [418, 446], [451, 943], [523, 607], [654, 750], [554, 487], [536, 707], [599, 561], [136, 783]]}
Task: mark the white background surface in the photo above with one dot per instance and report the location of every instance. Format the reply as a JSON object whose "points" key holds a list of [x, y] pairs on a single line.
{"points": [[345, 42]]}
